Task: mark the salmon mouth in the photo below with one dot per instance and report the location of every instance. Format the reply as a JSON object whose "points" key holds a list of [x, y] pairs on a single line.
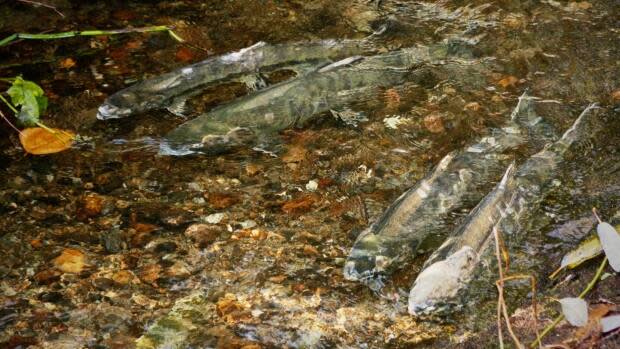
{"points": [[108, 111]]}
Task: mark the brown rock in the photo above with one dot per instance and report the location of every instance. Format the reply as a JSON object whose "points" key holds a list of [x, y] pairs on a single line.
{"points": [[203, 234]]}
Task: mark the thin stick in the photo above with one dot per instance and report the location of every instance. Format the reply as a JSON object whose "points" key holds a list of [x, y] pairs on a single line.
{"points": [[596, 215], [36, 3], [500, 289], [9, 122], [534, 303], [557, 320], [500, 335], [74, 33]]}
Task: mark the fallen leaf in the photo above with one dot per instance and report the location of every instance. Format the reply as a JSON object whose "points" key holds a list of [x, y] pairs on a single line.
{"points": [[39, 141], [610, 323], [615, 95], [575, 310], [508, 81], [610, 240], [300, 205], [70, 261], [592, 330], [67, 63], [586, 250], [295, 153]]}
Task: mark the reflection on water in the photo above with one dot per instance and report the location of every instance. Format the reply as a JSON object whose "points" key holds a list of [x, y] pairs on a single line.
{"points": [[248, 246]]}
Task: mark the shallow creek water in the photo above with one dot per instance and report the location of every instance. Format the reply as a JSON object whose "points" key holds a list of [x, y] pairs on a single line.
{"points": [[264, 268]]}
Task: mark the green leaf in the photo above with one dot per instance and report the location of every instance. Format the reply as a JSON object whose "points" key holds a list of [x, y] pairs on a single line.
{"points": [[30, 97], [42, 102]]}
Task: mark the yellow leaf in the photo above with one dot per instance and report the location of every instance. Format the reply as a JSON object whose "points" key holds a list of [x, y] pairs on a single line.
{"points": [[39, 141], [588, 249]]}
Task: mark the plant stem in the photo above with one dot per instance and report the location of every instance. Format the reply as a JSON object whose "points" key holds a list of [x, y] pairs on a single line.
{"points": [[8, 104], [74, 33], [583, 293]]}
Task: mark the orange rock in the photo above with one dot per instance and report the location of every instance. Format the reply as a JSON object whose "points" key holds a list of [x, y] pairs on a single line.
{"points": [[221, 200], [36, 243], [70, 261], [434, 123], [615, 95], [90, 206]]}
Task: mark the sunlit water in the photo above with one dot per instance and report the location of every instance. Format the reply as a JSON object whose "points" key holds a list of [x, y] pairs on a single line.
{"points": [[282, 215]]}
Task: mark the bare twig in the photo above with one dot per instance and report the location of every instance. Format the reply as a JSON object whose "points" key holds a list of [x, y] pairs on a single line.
{"points": [[36, 3], [596, 215], [534, 303], [500, 290], [9, 122]]}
